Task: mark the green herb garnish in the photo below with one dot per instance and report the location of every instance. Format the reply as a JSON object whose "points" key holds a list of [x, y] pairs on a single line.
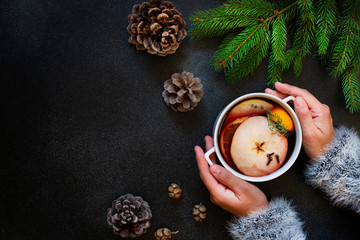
{"points": [[275, 124]]}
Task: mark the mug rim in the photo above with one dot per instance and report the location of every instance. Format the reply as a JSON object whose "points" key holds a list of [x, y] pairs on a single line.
{"points": [[298, 137]]}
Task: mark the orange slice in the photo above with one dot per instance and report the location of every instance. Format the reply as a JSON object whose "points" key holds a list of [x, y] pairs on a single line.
{"points": [[226, 138], [285, 117]]}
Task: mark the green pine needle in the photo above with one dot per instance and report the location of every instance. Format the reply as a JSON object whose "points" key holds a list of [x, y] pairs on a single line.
{"points": [[346, 50], [343, 52], [251, 8], [279, 39], [274, 71], [246, 66], [233, 51], [217, 22], [228, 41], [304, 37], [351, 89], [325, 24]]}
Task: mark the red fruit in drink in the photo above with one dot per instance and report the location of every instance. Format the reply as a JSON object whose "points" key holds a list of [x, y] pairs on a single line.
{"points": [[226, 137]]}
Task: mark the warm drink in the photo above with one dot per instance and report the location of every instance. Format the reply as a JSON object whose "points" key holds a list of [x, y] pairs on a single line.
{"points": [[256, 137]]}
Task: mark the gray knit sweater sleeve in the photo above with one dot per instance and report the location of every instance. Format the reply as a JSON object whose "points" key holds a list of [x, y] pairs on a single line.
{"points": [[337, 172], [277, 221]]}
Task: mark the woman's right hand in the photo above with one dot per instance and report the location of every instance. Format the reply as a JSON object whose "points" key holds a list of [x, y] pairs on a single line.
{"points": [[315, 118], [226, 190]]}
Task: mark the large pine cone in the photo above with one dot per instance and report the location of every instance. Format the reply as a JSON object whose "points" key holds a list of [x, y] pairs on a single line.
{"points": [[129, 216], [157, 27], [182, 91]]}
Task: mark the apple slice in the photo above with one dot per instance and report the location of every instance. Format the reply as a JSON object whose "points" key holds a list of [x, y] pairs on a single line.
{"points": [[248, 107], [255, 150]]}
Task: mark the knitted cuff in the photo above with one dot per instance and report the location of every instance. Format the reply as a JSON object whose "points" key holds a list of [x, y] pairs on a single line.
{"points": [[337, 171], [278, 221]]}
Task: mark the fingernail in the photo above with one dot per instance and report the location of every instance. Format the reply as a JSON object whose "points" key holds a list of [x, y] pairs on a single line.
{"points": [[215, 169]]}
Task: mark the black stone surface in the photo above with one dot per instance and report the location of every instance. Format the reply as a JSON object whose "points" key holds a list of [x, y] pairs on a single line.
{"points": [[82, 121]]}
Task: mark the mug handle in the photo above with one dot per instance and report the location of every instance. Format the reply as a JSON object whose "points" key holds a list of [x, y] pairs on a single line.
{"points": [[289, 98], [207, 155]]}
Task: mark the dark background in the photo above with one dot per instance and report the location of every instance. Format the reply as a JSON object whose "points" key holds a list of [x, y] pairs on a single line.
{"points": [[82, 121]]}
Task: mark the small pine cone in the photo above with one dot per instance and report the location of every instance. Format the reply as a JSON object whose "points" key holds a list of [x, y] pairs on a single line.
{"points": [[129, 216], [164, 234], [199, 212], [157, 27], [182, 92], [174, 191]]}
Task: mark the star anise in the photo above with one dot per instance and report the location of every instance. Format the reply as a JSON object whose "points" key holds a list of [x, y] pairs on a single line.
{"points": [[258, 147]]}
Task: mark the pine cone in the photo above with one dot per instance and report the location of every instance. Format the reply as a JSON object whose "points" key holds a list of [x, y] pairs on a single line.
{"points": [[174, 191], [199, 212], [182, 91], [129, 216], [157, 27], [164, 234]]}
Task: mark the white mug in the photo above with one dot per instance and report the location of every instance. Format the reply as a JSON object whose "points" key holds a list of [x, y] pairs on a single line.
{"points": [[217, 128]]}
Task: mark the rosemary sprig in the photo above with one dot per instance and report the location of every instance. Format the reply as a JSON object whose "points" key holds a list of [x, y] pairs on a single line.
{"points": [[276, 125]]}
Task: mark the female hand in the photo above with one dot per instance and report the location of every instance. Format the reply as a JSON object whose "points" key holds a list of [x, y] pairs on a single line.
{"points": [[226, 190], [315, 118]]}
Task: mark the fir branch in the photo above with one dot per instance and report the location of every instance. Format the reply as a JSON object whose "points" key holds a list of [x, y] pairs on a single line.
{"points": [[289, 7], [227, 42], [351, 89], [250, 61], [342, 52], [304, 37], [345, 55], [346, 48], [276, 68], [356, 65], [351, 10], [250, 8], [245, 40], [326, 13], [233, 15], [289, 57], [274, 71], [256, 26], [357, 27], [217, 22], [279, 38], [245, 66], [290, 11], [278, 59]]}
